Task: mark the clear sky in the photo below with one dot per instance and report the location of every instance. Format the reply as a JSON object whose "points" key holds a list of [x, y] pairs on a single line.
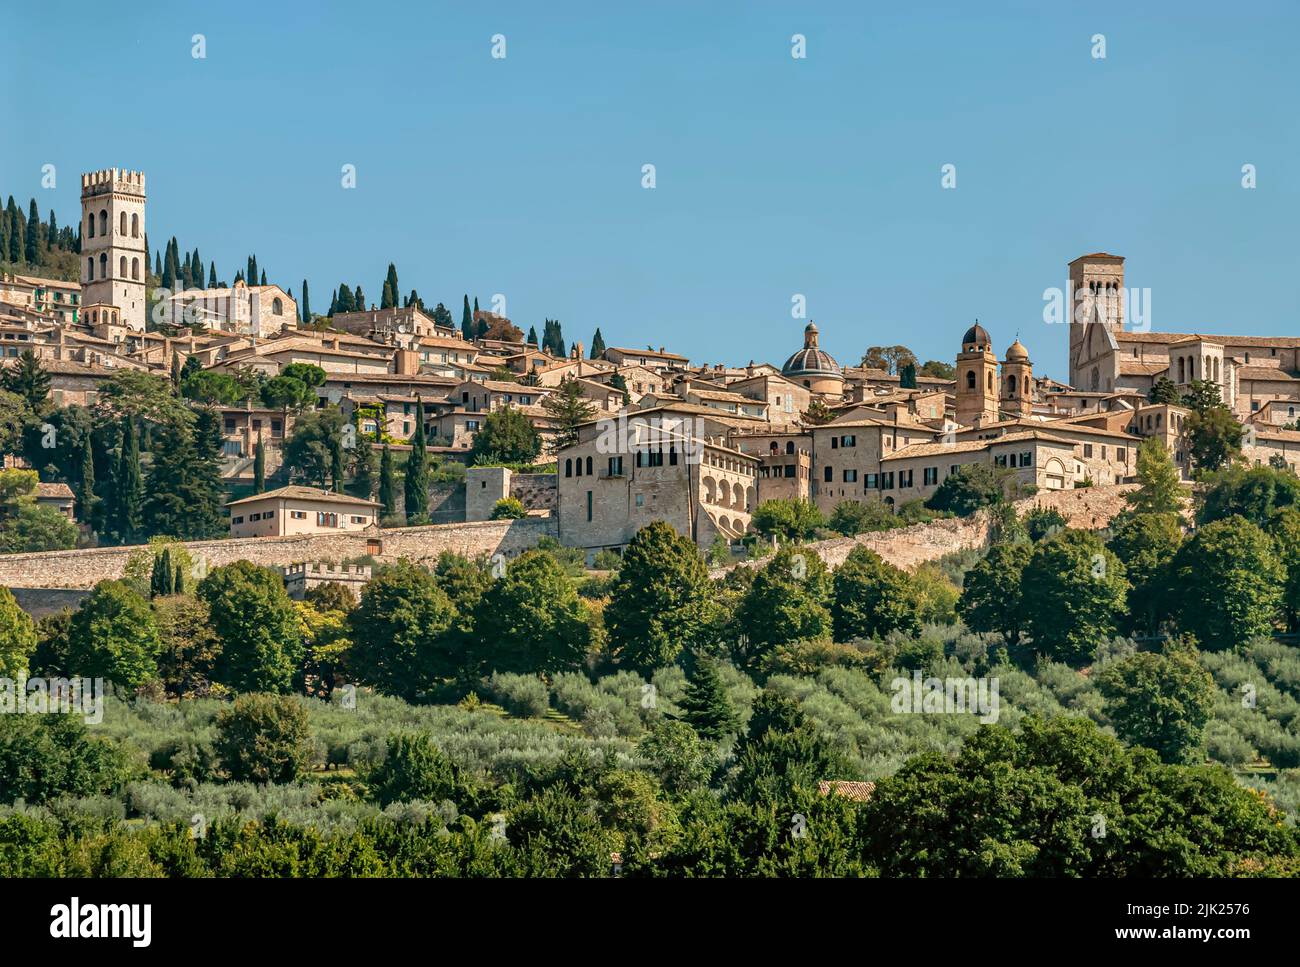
{"points": [[775, 176]]}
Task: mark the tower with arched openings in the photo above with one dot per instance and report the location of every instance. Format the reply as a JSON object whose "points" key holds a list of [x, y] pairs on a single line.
{"points": [[977, 379], [114, 257]]}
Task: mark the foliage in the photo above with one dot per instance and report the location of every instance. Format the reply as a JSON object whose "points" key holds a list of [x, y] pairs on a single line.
{"points": [[1160, 701], [791, 520], [1072, 591], [872, 598], [253, 616], [264, 738], [1230, 583], [114, 636], [505, 436], [508, 508]]}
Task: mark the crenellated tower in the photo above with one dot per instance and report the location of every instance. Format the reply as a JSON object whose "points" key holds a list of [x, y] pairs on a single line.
{"points": [[114, 257]]}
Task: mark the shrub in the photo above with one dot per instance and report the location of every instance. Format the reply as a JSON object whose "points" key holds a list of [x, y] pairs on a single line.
{"points": [[264, 738], [525, 696]]}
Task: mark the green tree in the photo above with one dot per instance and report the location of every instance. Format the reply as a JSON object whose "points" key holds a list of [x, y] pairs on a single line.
{"points": [[597, 345], [1072, 592], [113, 636], [1164, 390], [568, 409], [1230, 583], [28, 379], [311, 451], [467, 322], [399, 631], [853, 517], [661, 601], [189, 647], [782, 754], [254, 617], [259, 467], [185, 491], [972, 487], [1147, 545], [1160, 701], [1159, 490], [33, 528], [907, 375], [86, 498], [792, 520], [264, 739], [414, 767], [128, 486], [1213, 433], [17, 637], [938, 369], [417, 473], [1255, 493], [387, 484], [705, 705], [677, 756], [788, 602], [45, 757], [873, 598], [508, 508], [506, 436], [531, 620]]}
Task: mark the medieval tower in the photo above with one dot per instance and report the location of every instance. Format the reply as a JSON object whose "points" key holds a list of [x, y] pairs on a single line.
{"points": [[977, 379], [114, 257], [1017, 397], [1096, 294]]}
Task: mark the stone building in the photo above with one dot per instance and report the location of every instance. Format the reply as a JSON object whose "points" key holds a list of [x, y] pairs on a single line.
{"points": [[300, 510], [114, 259], [813, 368]]}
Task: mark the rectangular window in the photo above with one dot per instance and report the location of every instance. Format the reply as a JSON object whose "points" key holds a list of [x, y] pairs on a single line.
{"points": [[789, 470], [835, 443], [848, 441], [850, 476], [589, 506], [640, 500], [616, 466], [871, 481], [1087, 450], [298, 514], [904, 479], [930, 476], [253, 517], [1027, 458], [1121, 454], [236, 520], [829, 474], [887, 481], [358, 520]]}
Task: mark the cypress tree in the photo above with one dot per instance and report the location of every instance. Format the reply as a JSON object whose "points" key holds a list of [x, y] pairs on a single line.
{"points": [[334, 304], [597, 345], [336, 462], [54, 231], [32, 248], [129, 484], [263, 282], [162, 581], [157, 265], [86, 486], [187, 273], [359, 300], [4, 235], [417, 474], [466, 322], [196, 269], [532, 336], [387, 483], [259, 468], [168, 276], [306, 303], [17, 232], [390, 288], [345, 303], [705, 705], [251, 274]]}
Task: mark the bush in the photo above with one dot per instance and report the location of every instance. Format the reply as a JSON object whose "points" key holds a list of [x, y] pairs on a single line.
{"points": [[525, 696], [508, 508], [264, 738], [46, 756]]}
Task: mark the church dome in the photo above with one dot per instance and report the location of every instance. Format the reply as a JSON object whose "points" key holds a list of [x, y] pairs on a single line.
{"points": [[976, 336], [1017, 351], [811, 361]]}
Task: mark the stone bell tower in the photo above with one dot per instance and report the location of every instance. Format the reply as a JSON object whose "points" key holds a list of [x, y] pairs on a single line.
{"points": [[114, 258], [977, 379]]}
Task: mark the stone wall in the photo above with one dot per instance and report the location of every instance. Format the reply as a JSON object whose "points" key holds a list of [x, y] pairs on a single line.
{"points": [[1087, 508], [85, 568], [484, 486], [536, 491]]}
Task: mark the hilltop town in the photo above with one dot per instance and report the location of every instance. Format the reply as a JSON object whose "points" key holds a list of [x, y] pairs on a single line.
{"points": [[714, 442]]}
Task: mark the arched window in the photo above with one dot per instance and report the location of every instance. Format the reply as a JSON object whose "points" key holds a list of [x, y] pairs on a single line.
{"points": [[121, 267], [1182, 370], [773, 447], [789, 446], [90, 267], [1217, 370], [103, 221], [90, 226], [103, 265], [970, 379], [135, 226], [1011, 385], [589, 466], [135, 269], [988, 380], [568, 467], [277, 307], [580, 466], [121, 224]]}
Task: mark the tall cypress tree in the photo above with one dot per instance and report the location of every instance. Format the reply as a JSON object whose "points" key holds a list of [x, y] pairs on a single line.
{"points": [[251, 274], [389, 298], [359, 300], [597, 345], [86, 485], [259, 468], [196, 269], [33, 243], [306, 303], [532, 336], [54, 231], [263, 282], [466, 322], [387, 483], [336, 462], [705, 705], [129, 484], [157, 265], [417, 472]]}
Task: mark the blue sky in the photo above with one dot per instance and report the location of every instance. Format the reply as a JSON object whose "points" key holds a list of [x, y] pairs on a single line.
{"points": [[775, 176]]}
